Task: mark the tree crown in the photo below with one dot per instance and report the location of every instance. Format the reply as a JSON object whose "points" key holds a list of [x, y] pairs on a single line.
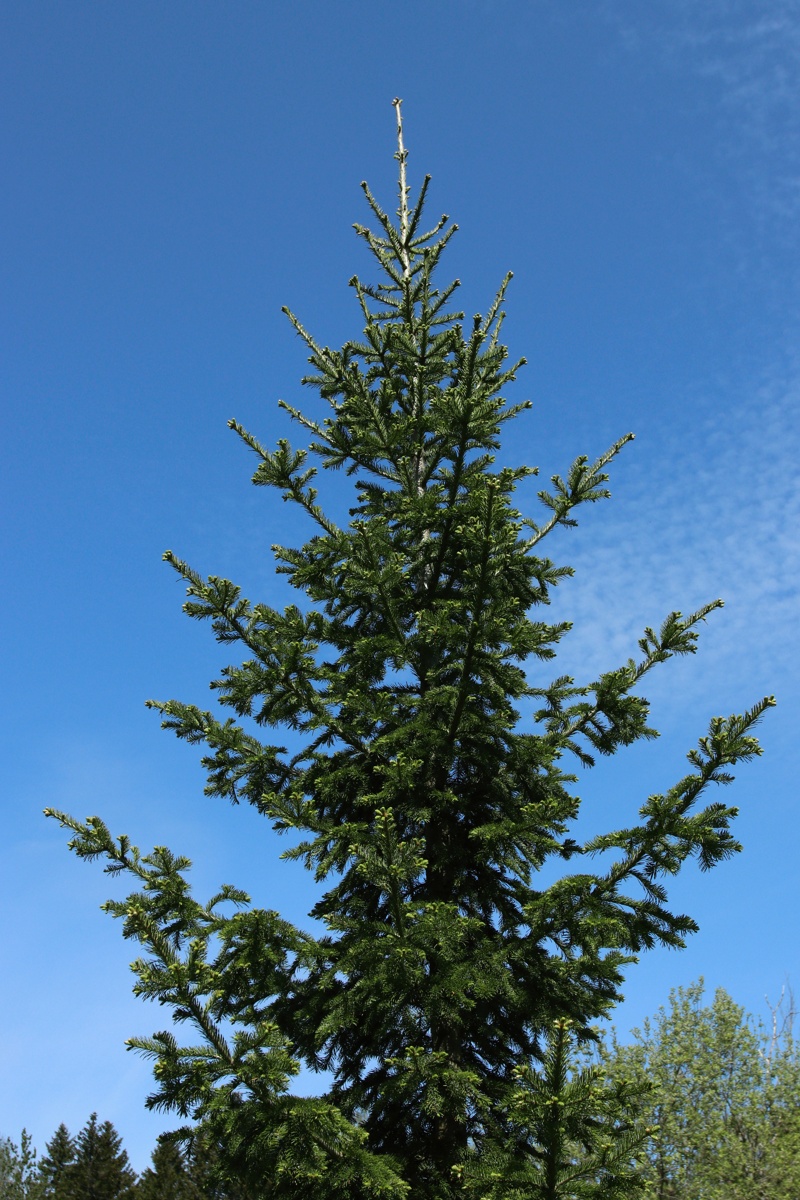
{"points": [[419, 799]]}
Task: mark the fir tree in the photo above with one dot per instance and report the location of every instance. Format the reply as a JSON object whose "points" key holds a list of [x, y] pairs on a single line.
{"points": [[572, 1132], [54, 1166], [169, 1178], [444, 969], [100, 1170], [208, 1166]]}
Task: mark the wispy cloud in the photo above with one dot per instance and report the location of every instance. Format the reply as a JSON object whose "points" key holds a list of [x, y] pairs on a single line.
{"points": [[714, 513], [752, 52]]}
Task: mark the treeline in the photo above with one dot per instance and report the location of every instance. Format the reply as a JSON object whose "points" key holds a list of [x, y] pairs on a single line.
{"points": [[94, 1166], [719, 1097], [716, 1100]]}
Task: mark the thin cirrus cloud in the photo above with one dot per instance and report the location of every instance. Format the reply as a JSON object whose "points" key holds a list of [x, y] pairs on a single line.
{"points": [[751, 53], [717, 517]]}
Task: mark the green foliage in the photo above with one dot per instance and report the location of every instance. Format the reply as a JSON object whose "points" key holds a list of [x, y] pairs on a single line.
{"points": [[209, 1166], [421, 796], [570, 1132], [100, 1168], [55, 1166], [19, 1171], [721, 1095], [170, 1176]]}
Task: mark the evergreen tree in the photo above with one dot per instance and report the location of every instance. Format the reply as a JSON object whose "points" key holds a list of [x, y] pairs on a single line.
{"points": [[573, 1132], [207, 1164], [100, 1170], [55, 1165], [169, 1178], [444, 968], [721, 1096]]}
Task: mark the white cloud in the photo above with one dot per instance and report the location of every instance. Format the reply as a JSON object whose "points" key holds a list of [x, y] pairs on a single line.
{"points": [[752, 53], [713, 514]]}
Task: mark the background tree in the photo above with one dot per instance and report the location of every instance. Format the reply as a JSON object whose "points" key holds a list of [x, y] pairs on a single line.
{"points": [[19, 1172], [443, 970], [208, 1166], [722, 1097], [100, 1170], [55, 1164], [169, 1178]]}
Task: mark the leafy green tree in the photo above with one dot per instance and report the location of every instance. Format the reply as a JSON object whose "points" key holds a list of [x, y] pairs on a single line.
{"points": [[722, 1100], [100, 1170], [54, 1166], [19, 1174], [169, 1178], [418, 797]]}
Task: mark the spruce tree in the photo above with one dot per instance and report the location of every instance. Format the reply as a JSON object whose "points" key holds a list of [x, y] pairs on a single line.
{"points": [[432, 783], [100, 1170], [574, 1131], [169, 1178], [207, 1163], [54, 1166]]}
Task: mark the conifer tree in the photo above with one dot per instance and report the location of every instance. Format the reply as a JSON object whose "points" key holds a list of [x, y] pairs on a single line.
{"points": [[100, 1170], [169, 1178], [573, 1131], [207, 1165], [55, 1165], [432, 784]]}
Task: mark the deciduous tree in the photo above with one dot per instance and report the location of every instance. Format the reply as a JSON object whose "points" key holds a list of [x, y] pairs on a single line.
{"points": [[19, 1171], [721, 1096]]}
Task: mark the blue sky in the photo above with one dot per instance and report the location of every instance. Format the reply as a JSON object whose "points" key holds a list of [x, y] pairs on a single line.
{"points": [[173, 174]]}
